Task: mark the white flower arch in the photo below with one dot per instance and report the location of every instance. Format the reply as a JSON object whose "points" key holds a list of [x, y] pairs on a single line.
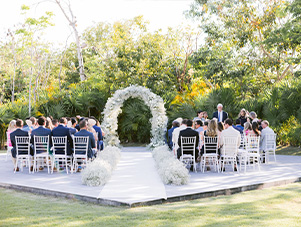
{"points": [[113, 109]]}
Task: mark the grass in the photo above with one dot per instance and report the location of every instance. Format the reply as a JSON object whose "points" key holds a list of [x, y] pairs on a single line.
{"points": [[277, 206], [288, 150]]}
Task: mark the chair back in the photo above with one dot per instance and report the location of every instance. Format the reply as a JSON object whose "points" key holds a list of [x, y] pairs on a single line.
{"points": [[80, 145], [22, 145], [41, 144], [210, 144], [59, 145], [188, 144], [242, 141], [252, 143], [230, 146], [270, 142]]}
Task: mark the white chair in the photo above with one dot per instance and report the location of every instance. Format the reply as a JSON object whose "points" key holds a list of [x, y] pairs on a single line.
{"points": [[23, 152], [229, 152], [80, 148], [41, 149], [188, 145], [242, 154], [252, 148], [211, 146], [270, 147], [60, 152]]}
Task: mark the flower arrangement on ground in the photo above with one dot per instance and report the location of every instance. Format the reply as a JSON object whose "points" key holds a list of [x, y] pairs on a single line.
{"points": [[170, 169], [113, 109], [99, 171]]}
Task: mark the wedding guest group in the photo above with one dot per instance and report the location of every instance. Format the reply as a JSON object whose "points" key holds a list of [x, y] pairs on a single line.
{"points": [[63, 127], [220, 126]]}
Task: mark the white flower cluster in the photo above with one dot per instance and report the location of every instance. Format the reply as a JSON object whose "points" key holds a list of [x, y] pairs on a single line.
{"points": [[113, 109], [98, 172], [170, 169]]}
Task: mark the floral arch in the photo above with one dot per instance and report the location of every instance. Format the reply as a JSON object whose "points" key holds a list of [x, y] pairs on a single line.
{"points": [[113, 109]]}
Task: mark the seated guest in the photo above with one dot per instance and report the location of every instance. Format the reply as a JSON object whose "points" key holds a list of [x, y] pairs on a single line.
{"points": [[49, 123], [73, 123], [220, 128], [255, 130], [199, 116], [17, 132], [176, 132], [188, 132], [96, 126], [253, 117], [266, 130], [199, 126], [205, 116], [30, 124], [55, 123], [247, 128], [212, 131], [175, 124], [230, 131], [242, 117], [83, 132], [41, 131], [60, 131], [238, 126], [220, 115]]}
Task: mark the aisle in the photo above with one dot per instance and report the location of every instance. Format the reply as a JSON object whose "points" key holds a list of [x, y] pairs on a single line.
{"points": [[135, 179]]}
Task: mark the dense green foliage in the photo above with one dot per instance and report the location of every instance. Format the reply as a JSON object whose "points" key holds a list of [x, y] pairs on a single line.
{"points": [[249, 58]]}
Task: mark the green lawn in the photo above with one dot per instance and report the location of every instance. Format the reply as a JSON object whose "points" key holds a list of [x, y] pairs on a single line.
{"points": [[288, 150], [277, 206]]}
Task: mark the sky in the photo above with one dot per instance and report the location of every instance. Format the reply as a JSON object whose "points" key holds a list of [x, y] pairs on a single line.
{"points": [[160, 13]]}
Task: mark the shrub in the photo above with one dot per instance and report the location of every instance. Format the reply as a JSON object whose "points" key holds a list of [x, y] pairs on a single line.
{"points": [[289, 132]]}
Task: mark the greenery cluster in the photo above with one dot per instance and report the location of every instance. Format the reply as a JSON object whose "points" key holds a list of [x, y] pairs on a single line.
{"points": [[248, 57]]}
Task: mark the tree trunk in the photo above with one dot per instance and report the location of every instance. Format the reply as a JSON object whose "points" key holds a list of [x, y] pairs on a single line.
{"points": [[72, 22]]}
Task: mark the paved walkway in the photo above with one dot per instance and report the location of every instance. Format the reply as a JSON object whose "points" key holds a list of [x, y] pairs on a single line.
{"points": [[135, 179], [124, 187]]}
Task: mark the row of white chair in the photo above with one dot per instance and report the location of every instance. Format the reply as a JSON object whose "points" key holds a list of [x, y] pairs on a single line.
{"points": [[249, 152], [59, 152]]}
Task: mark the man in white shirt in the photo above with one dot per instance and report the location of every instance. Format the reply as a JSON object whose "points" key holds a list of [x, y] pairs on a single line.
{"points": [[264, 132], [220, 115], [230, 131], [176, 132]]}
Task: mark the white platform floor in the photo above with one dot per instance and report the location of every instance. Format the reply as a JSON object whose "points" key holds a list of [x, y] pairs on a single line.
{"points": [[286, 168]]}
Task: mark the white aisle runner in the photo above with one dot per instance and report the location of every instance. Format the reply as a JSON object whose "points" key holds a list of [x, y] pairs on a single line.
{"points": [[135, 178]]}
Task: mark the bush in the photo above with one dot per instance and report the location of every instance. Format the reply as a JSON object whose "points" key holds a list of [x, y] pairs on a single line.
{"points": [[289, 132]]}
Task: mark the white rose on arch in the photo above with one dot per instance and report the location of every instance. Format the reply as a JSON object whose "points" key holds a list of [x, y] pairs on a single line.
{"points": [[113, 109]]}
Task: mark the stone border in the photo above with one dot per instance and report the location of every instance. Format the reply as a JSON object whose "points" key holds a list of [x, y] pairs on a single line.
{"points": [[186, 197]]}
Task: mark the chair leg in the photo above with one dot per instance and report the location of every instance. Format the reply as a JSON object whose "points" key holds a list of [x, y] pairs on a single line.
{"points": [[52, 164], [66, 162]]}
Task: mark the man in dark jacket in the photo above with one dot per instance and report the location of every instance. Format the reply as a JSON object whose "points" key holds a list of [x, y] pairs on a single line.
{"points": [[188, 132], [60, 131]]}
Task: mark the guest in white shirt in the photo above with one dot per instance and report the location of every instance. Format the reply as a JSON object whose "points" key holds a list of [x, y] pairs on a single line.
{"points": [[176, 132], [264, 132], [230, 131]]}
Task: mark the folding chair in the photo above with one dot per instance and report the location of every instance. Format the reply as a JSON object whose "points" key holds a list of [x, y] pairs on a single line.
{"points": [[41, 149], [60, 152], [229, 152], [188, 145], [80, 145], [211, 146], [23, 152]]}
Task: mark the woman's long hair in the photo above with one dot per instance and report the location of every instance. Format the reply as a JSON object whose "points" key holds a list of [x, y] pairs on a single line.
{"points": [[12, 126], [247, 126], [212, 129], [245, 113], [255, 128]]}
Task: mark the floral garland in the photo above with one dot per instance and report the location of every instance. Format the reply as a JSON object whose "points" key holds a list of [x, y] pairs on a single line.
{"points": [[170, 169], [113, 109], [99, 171]]}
